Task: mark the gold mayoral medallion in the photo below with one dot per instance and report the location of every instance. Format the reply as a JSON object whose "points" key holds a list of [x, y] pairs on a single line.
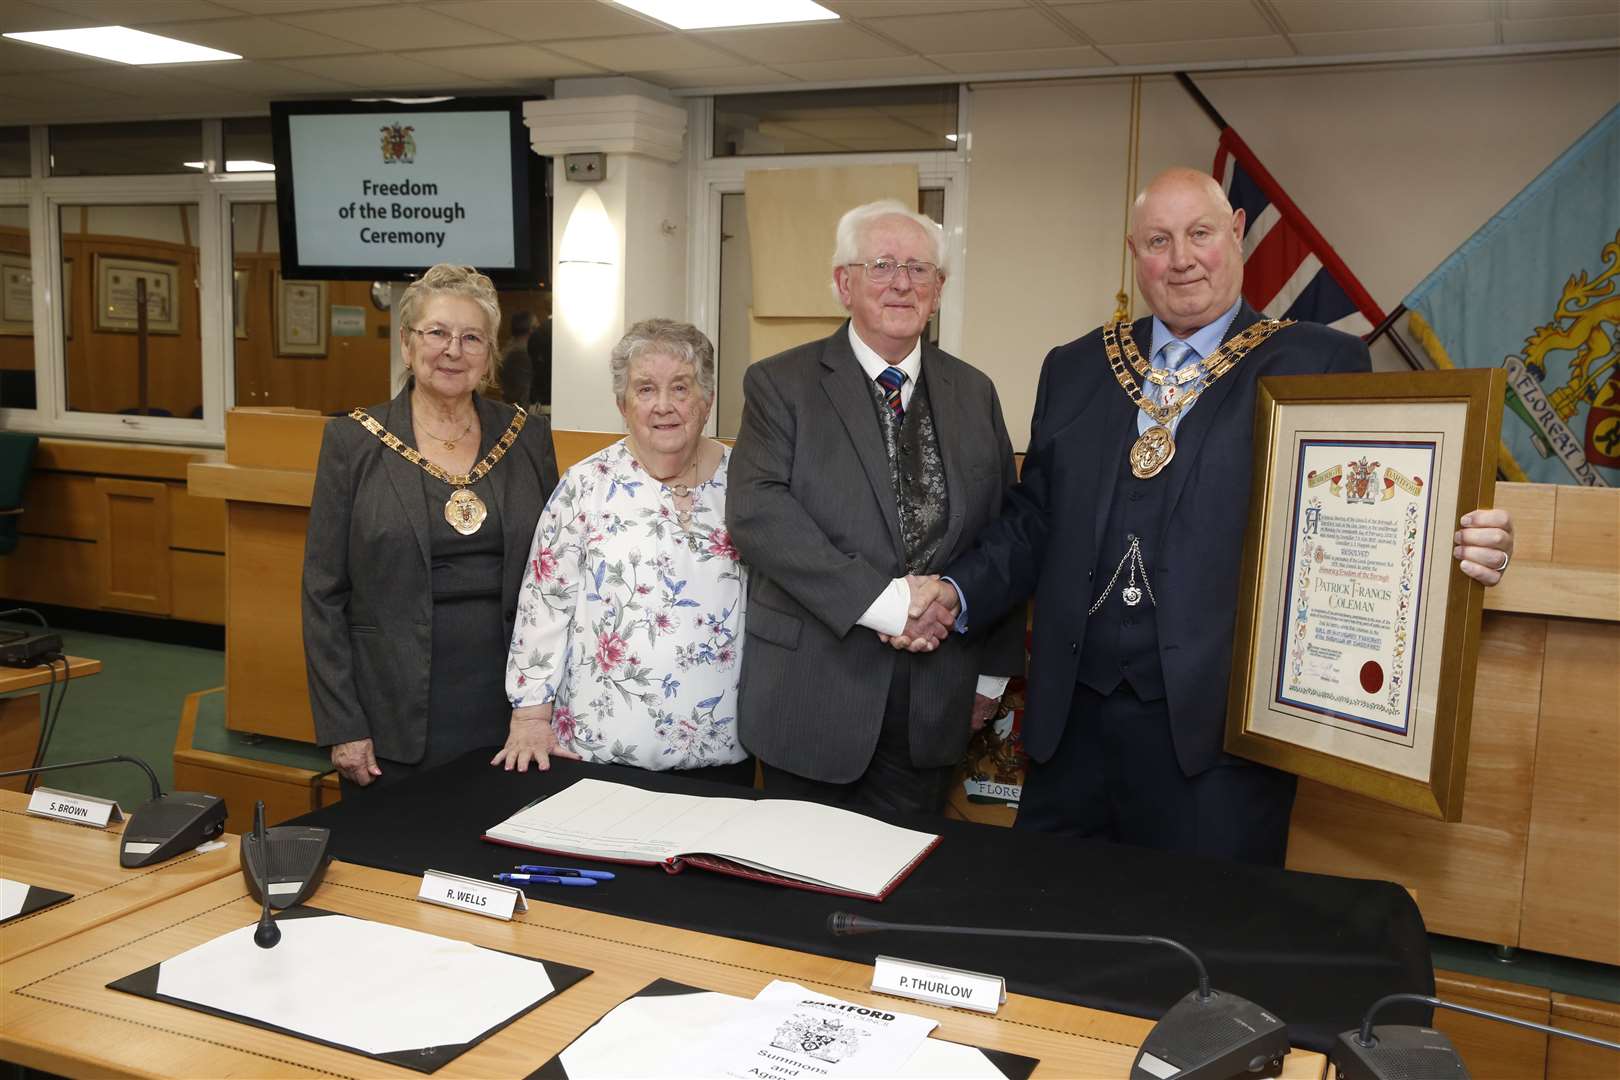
{"points": [[464, 510], [1151, 452]]}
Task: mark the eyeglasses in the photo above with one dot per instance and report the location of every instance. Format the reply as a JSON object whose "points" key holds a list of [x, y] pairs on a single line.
{"points": [[438, 339], [882, 270]]}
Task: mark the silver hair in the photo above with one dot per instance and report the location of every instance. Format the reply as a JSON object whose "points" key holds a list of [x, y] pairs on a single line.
{"points": [[853, 225], [663, 337], [447, 279]]}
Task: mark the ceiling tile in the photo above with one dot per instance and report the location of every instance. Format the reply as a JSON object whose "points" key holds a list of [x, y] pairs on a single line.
{"points": [[1550, 9], [140, 12], [288, 7], [48, 88], [138, 81], [747, 75], [899, 67], [254, 77], [527, 20], [377, 71], [802, 43], [646, 52], [1574, 28], [868, 9], [19, 16], [397, 27], [508, 62], [17, 58], [1078, 56], [1348, 42], [260, 39], [1313, 17], [1201, 51], [1127, 21], [976, 31]]}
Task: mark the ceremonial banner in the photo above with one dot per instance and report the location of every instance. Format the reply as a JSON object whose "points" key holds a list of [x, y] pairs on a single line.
{"points": [[1357, 634], [1533, 292]]}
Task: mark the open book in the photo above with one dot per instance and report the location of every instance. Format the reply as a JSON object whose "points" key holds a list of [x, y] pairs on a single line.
{"points": [[800, 844]]}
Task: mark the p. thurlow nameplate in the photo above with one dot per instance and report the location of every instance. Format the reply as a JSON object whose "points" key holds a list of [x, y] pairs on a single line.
{"points": [[938, 985]]}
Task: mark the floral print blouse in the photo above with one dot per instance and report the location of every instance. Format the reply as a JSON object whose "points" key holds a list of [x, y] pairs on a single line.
{"points": [[630, 621]]}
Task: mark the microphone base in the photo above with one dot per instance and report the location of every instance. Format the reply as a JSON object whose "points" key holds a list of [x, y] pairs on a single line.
{"points": [[172, 825], [290, 865], [1399, 1052], [1219, 1038]]}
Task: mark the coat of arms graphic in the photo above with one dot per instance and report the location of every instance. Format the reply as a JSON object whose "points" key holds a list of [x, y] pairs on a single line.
{"points": [[398, 145], [823, 1038]]}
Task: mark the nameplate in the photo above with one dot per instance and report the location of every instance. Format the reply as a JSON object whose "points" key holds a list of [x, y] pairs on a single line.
{"points": [[470, 894], [938, 985], [993, 792], [79, 809]]}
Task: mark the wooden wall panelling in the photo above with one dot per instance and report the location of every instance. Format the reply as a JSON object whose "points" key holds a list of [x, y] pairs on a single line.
{"points": [[19, 735], [1572, 881], [46, 570], [134, 545], [197, 586], [1468, 876], [1570, 1060], [195, 524], [264, 647], [1488, 1047], [61, 504], [1573, 573], [148, 462]]}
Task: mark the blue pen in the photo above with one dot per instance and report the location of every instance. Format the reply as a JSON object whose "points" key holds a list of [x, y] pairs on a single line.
{"points": [[567, 871], [542, 879]]}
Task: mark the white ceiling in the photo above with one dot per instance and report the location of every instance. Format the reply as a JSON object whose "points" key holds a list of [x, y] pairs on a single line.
{"points": [[317, 48]]}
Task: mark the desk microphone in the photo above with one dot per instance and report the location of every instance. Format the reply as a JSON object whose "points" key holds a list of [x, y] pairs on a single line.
{"points": [[268, 934], [162, 827], [1207, 1035], [1406, 1052], [283, 865]]}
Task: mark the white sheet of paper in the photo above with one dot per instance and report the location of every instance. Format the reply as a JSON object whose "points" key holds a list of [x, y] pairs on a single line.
{"points": [[794, 1032], [375, 987], [12, 895]]}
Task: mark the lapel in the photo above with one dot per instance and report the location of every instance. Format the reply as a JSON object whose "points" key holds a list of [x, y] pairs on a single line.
{"points": [[1118, 433], [1190, 435], [950, 428], [506, 488], [407, 478], [845, 384]]}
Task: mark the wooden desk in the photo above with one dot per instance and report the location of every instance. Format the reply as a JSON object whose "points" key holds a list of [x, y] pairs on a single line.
{"points": [[20, 712], [84, 861], [60, 1016]]}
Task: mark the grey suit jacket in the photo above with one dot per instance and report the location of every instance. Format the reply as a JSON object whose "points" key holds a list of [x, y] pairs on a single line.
{"points": [[812, 512], [367, 589]]}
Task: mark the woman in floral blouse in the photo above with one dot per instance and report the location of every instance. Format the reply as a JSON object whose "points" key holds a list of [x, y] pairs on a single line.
{"points": [[629, 631]]}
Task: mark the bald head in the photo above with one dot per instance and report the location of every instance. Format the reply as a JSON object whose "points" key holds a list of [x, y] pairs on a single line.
{"points": [[1187, 242]]}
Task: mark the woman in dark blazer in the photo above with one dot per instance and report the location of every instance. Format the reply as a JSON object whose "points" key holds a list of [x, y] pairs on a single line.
{"points": [[420, 522]]}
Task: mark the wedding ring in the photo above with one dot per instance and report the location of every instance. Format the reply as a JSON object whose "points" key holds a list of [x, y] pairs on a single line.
{"points": [[1506, 558]]}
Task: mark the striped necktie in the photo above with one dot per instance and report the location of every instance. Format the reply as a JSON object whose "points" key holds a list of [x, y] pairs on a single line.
{"points": [[892, 379]]}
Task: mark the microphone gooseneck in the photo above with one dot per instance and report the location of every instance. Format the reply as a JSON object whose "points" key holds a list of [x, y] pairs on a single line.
{"points": [[844, 924], [157, 788], [1365, 1036], [268, 933]]}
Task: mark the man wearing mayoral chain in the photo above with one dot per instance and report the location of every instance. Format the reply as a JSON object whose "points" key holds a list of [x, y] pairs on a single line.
{"points": [[1127, 527]]}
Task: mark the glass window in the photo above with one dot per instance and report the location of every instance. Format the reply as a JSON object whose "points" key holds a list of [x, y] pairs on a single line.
{"points": [[132, 335], [16, 311], [247, 145], [836, 121], [14, 151], [319, 345], [125, 149]]}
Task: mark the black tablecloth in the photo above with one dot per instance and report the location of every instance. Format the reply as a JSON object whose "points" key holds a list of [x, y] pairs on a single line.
{"points": [[1315, 950]]}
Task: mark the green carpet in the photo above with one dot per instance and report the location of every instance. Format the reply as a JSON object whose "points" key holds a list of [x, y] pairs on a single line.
{"points": [[131, 707]]}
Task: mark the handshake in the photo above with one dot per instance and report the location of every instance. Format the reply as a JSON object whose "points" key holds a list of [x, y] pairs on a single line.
{"points": [[930, 617]]}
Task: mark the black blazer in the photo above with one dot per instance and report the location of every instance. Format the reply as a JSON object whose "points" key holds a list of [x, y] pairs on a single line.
{"points": [[1045, 542], [812, 512], [368, 600]]}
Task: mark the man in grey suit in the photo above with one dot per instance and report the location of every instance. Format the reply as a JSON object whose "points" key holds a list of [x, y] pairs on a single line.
{"points": [[865, 459]]}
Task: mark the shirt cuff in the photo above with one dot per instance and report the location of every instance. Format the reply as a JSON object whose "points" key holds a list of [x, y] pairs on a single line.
{"points": [[991, 686], [961, 625], [891, 609]]}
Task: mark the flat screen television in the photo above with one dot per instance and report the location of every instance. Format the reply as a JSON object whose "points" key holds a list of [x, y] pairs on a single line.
{"points": [[380, 191]]}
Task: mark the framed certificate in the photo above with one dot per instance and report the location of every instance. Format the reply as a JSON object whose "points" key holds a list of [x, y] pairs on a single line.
{"points": [[300, 310], [118, 283], [16, 294], [1357, 634]]}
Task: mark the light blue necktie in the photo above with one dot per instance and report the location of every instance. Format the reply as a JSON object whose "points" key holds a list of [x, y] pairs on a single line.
{"points": [[1171, 358]]}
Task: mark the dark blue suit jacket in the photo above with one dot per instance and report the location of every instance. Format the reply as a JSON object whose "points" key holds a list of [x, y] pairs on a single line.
{"points": [[1045, 541]]}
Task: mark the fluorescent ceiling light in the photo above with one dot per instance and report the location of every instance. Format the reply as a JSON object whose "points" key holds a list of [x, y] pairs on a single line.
{"points": [[710, 14], [238, 165], [124, 45]]}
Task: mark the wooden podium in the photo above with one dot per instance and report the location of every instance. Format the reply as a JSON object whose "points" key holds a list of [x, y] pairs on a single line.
{"points": [[266, 480]]}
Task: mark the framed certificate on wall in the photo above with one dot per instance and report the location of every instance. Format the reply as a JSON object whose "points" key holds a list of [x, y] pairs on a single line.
{"points": [[1357, 635]]}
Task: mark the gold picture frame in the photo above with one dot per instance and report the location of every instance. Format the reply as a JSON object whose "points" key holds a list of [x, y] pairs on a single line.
{"points": [[117, 279], [1357, 634], [241, 290], [300, 317], [16, 294]]}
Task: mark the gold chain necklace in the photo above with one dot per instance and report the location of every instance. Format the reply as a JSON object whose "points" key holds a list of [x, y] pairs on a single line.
{"points": [[449, 444], [464, 510], [678, 490], [1155, 447]]}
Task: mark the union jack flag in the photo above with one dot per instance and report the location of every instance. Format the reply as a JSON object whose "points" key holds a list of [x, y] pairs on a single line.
{"points": [[1289, 270]]}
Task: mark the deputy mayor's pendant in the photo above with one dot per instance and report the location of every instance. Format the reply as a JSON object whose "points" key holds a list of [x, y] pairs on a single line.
{"points": [[1131, 595], [465, 511], [1151, 452]]}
